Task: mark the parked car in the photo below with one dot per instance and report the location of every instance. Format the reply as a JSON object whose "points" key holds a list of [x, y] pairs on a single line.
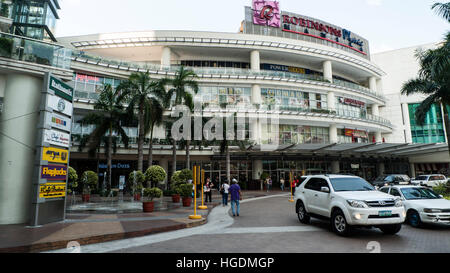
{"points": [[348, 202], [422, 205], [430, 180], [389, 179]]}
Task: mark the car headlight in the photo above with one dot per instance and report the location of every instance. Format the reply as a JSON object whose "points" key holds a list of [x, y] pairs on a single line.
{"points": [[432, 210], [357, 204], [398, 203]]}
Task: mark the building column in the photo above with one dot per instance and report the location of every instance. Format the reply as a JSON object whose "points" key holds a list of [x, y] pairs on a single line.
{"points": [[376, 110], [380, 86], [373, 84], [335, 167], [407, 123], [331, 101], [166, 56], [378, 137], [333, 134], [412, 168], [257, 171], [17, 146], [256, 94], [328, 71], [381, 169], [255, 60], [164, 163]]}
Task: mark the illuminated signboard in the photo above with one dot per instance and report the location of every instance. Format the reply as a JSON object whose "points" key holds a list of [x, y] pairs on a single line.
{"points": [[60, 105], [352, 102], [55, 155], [59, 122], [266, 13], [52, 190], [53, 172], [60, 88]]}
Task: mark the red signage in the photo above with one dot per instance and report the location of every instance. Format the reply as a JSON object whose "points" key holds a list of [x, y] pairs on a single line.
{"points": [[311, 24], [352, 102]]}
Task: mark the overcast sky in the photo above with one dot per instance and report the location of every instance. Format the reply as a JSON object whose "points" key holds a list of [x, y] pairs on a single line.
{"points": [[387, 24]]}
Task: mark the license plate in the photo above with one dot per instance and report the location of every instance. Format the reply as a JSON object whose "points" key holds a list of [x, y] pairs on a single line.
{"points": [[385, 213]]}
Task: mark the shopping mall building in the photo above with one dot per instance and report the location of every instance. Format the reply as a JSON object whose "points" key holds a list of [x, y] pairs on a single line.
{"points": [[318, 80]]}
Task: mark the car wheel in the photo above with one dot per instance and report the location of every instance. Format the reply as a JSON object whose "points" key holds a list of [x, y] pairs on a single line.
{"points": [[413, 218], [302, 215], [391, 229], [339, 224]]}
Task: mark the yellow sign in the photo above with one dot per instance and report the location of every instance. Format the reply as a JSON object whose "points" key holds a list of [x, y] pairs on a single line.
{"points": [[55, 155], [52, 190]]}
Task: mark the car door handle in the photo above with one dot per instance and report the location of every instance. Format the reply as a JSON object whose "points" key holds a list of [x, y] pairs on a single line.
{"points": [[316, 195]]}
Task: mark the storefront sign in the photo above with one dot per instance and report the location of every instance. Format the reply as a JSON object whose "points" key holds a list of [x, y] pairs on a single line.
{"points": [[352, 102], [60, 105], [59, 122], [52, 190], [61, 89], [356, 133], [55, 155], [53, 172], [56, 138], [115, 166]]}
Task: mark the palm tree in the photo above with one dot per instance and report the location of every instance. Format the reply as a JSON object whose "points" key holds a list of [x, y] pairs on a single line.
{"points": [[143, 94], [108, 120], [183, 79], [433, 79], [442, 9]]}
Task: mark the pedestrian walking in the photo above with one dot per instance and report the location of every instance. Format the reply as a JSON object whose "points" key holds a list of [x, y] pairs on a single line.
{"points": [[208, 187], [224, 191], [236, 197], [269, 184], [282, 184]]}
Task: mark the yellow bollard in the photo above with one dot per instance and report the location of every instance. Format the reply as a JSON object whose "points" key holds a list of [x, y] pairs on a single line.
{"points": [[195, 216], [203, 182], [292, 191]]}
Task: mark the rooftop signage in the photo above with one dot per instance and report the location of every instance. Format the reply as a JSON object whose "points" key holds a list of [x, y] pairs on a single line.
{"points": [[268, 14]]}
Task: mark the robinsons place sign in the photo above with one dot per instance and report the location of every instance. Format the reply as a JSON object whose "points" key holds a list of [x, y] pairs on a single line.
{"points": [[266, 18]]}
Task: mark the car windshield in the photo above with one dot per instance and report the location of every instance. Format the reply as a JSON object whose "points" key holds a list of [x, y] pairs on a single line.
{"points": [[350, 184], [381, 178], [419, 193], [422, 177]]}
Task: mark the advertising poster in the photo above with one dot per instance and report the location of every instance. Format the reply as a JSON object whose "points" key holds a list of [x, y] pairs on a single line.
{"points": [[60, 105], [53, 172], [52, 190], [55, 155], [59, 122], [57, 138]]}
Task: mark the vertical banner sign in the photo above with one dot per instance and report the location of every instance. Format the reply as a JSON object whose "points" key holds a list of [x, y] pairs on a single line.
{"points": [[49, 186]]}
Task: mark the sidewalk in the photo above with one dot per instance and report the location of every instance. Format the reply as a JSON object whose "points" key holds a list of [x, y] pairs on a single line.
{"points": [[85, 227]]}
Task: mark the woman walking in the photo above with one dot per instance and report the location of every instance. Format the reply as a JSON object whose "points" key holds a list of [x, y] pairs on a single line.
{"points": [[208, 194]]}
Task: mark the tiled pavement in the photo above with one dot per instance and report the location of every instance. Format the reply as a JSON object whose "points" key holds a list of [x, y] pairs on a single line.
{"points": [[89, 228]]}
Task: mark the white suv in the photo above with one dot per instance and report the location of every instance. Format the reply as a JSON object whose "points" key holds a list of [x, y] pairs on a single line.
{"points": [[348, 201]]}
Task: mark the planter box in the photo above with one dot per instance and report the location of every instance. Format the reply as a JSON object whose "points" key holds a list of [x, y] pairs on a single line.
{"points": [[176, 198], [187, 201], [148, 206], [85, 197], [137, 197]]}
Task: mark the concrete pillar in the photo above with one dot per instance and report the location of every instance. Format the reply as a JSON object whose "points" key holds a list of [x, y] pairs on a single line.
{"points": [[331, 101], [333, 134], [381, 169], [166, 56], [255, 60], [380, 86], [17, 145], [257, 171], [256, 94], [412, 168], [378, 137], [373, 84], [328, 71], [335, 167], [376, 110]]}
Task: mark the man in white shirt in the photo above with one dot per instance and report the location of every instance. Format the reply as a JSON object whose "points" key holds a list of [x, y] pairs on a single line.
{"points": [[224, 192]]}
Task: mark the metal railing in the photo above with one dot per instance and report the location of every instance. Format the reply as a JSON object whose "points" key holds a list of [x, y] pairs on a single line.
{"points": [[81, 56], [34, 51]]}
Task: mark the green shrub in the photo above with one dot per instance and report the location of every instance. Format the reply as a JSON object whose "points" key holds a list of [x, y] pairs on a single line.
{"points": [[185, 190], [89, 179], [181, 177], [152, 193], [5, 47], [441, 189], [73, 180], [264, 176], [155, 175], [168, 192]]}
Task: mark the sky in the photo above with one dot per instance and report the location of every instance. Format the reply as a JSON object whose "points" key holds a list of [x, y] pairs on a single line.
{"points": [[387, 24]]}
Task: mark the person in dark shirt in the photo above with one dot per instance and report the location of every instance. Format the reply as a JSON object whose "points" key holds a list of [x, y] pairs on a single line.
{"points": [[236, 196]]}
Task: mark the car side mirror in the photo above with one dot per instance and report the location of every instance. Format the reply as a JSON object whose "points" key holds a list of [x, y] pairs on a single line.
{"points": [[325, 189], [441, 196]]}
